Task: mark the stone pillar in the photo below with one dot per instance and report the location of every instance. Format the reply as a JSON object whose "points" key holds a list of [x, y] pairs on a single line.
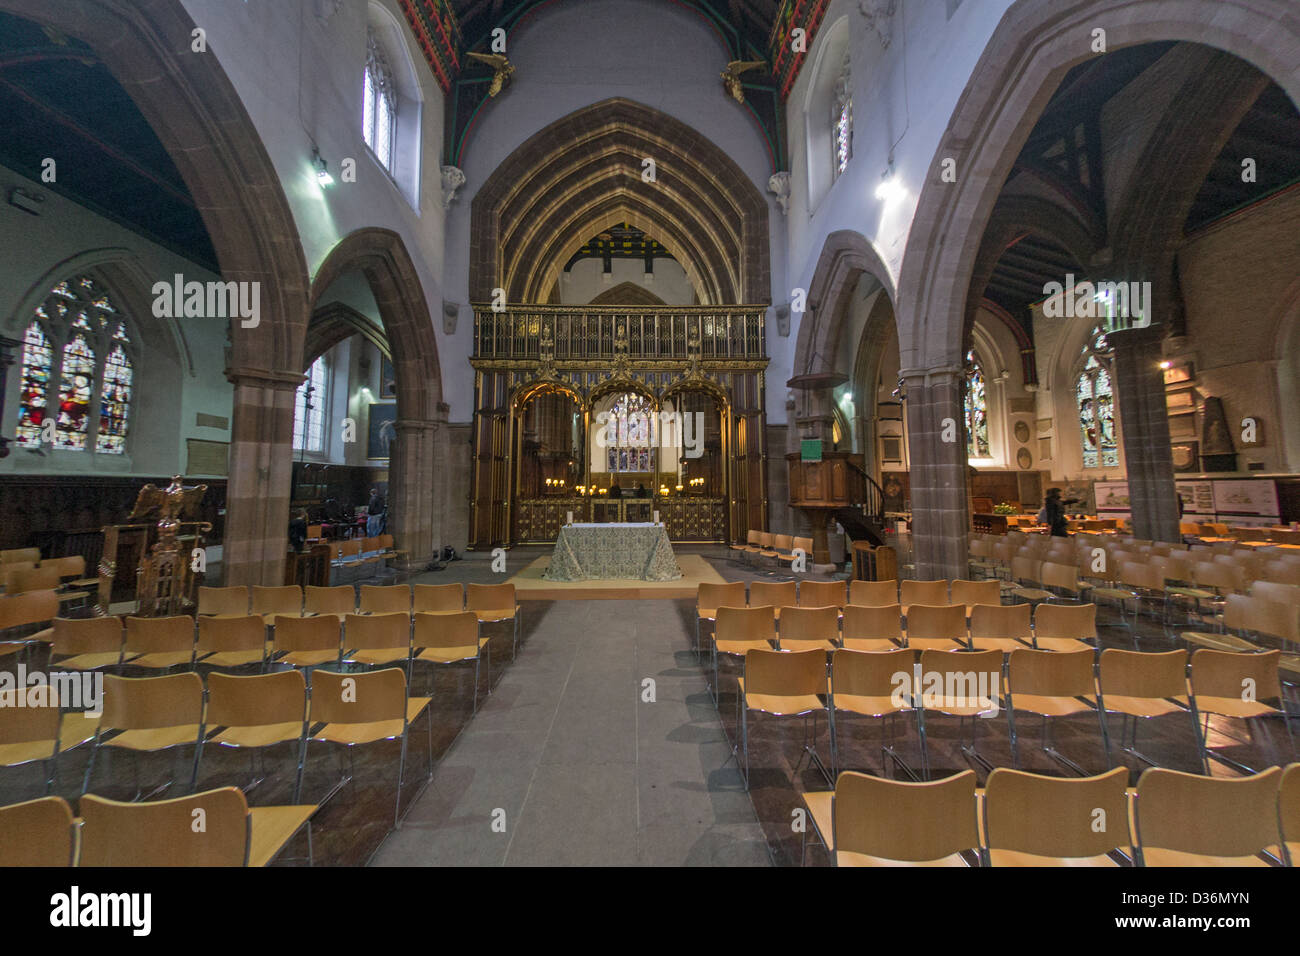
{"points": [[411, 490], [261, 469], [937, 446], [1144, 420]]}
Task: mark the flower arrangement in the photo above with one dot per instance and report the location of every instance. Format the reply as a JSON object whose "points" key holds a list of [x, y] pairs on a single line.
{"points": [[1006, 508]]}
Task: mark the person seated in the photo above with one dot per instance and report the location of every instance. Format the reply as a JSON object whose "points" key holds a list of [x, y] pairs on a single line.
{"points": [[298, 531], [615, 491], [640, 490]]}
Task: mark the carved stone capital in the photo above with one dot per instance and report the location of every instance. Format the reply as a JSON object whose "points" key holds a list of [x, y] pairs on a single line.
{"points": [[452, 179], [779, 185]]}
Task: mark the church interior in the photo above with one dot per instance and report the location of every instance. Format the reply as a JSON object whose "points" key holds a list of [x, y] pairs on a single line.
{"points": [[632, 432]]}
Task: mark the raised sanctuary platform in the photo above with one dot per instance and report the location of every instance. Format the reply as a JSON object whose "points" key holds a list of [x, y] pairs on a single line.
{"points": [[531, 586]]}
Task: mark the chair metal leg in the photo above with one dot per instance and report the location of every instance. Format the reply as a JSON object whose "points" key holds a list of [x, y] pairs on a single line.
{"points": [[401, 776], [744, 738]]}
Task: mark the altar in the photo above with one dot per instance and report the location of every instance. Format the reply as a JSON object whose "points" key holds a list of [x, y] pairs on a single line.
{"points": [[633, 550]]}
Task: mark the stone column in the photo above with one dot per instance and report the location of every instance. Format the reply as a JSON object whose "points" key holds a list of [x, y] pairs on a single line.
{"points": [[411, 490], [1144, 419], [261, 468], [937, 447]]}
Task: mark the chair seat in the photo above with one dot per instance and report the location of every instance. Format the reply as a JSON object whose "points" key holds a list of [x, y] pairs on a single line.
{"points": [[496, 614], [232, 658], [307, 658], [846, 858], [77, 728], [269, 619], [271, 828], [1233, 707], [810, 645], [1016, 858], [378, 655], [819, 808], [934, 644], [160, 661], [89, 662], [373, 730], [222, 614], [1156, 856], [738, 547], [957, 711], [1004, 644], [156, 738], [1050, 706], [1062, 644], [869, 706], [1289, 664], [1222, 642], [1199, 593], [1032, 594], [1119, 594], [260, 735], [11, 755], [869, 644], [770, 554], [1143, 706], [738, 648], [782, 705], [787, 558], [451, 655]]}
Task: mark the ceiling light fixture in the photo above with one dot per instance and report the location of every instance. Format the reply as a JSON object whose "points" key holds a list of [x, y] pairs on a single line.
{"points": [[322, 169]]}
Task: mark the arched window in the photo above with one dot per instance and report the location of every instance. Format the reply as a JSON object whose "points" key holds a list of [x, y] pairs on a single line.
{"points": [[977, 417], [308, 410], [632, 420], [1097, 403], [379, 103], [842, 119], [78, 324]]}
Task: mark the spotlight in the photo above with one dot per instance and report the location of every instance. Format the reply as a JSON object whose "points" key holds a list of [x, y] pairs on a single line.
{"points": [[322, 169]]}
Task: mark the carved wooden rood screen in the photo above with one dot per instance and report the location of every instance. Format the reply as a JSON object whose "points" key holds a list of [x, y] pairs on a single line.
{"points": [[612, 414]]}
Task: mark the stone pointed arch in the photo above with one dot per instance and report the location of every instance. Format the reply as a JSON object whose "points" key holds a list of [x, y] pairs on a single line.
{"points": [[416, 495]]}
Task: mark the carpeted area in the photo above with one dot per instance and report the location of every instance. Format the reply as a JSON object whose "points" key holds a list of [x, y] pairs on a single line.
{"points": [[530, 586]]}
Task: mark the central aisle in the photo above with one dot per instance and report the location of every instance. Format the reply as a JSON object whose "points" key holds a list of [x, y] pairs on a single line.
{"points": [[585, 770]]}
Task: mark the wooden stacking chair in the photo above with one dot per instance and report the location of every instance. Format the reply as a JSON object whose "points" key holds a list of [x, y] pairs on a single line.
{"points": [[438, 599], [257, 711], [493, 603], [1184, 819], [865, 684], [20, 613], [223, 602], [21, 580], [372, 708], [1052, 685], [1237, 685], [821, 594], [385, 599], [1065, 627], [941, 627], [1139, 686], [971, 593], [148, 714], [782, 545], [38, 833], [773, 594], [1033, 820], [742, 550], [159, 643], [808, 628], [783, 684], [1249, 615], [804, 545], [443, 639], [338, 601], [86, 644], [736, 632], [31, 734], [231, 641], [162, 832], [931, 593], [1288, 814], [958, 672], [1002, 627], [378, 640], [873, 593], [872, 628], [272, 603], [307, 642], [710, 597], [880, 822]]}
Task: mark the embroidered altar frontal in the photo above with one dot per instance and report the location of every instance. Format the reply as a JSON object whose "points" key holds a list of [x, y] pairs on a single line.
{"points": [[630, 551]]}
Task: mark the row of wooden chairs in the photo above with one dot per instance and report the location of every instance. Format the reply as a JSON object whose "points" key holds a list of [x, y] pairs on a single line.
{"points": [[780, 549], [1023, 819], [1052, 684], [151, 714], [44, 832]]}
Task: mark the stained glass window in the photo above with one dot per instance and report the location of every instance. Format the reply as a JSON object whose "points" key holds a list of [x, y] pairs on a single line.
{"points": [[1097, 403], [842, 118], [309, 415], [977, 419], [38, 363], [631, 425], [75, 372], [115, 401], [75, 391], [379, 104]]}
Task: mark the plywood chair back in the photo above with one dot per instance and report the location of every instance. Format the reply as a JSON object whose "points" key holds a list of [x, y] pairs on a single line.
{"points": [[11, 555], [873, 623], [37, 833], [385, 599], [375, 696], [163, 832], [710, 597], [148, 703], [744, 623], [971, 593], [923, 592], [931, 622], [808, 625], [965, 678], [224, 635], [92, 635], [438, 598], [821, 593], [336, 600], [1143, 674], [258, 700], [279, 600], [447, 630], [373, 632], [26, 724], [1000, 621], [1215, 817], [34, 607], [31, 579], [491, 597], [904, 822], [785, 674], [869, 673], [224, 601], [873, 593], [1055, 817], [774, 593], [1051, 673], [1288, 812], [1238, 675], [307, 633], [159, 635], [1066, 621]]}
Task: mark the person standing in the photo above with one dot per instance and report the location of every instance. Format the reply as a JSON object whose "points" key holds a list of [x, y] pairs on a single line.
{"points": [[375, 514], [1053, 514]]}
